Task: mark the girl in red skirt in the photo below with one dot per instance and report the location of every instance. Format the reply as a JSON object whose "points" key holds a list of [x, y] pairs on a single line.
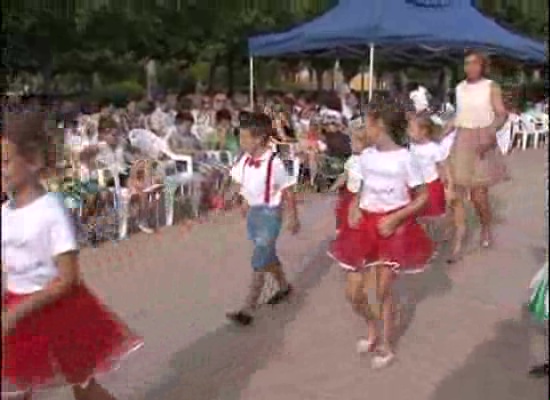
{"points": [[431, 160], [348, 184], [383, 232], [54, 331]]}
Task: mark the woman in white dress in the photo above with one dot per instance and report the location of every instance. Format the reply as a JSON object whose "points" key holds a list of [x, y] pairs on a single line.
{"points": [[475, 162]]}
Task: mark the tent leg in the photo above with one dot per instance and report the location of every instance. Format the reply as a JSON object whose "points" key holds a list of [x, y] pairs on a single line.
{"points": [[251, 82], [371, 69], [362, 101]]}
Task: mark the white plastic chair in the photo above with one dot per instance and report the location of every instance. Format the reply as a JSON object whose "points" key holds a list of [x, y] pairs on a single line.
{"points": [[505, 135], [520, 134], [222, 157], [534, 127], [179, 175]]}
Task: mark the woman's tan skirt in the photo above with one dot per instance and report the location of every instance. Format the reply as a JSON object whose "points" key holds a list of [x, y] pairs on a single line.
{"points": [[468, 168]]}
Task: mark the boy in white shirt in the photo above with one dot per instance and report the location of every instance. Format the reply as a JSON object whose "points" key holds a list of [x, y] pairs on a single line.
{"points": [[264, 185]]}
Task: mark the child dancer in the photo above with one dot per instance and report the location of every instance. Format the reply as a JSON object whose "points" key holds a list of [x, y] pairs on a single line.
{"points": [[54, 330], [348, 184], [385, 235], [264, 185], [430, 157]]}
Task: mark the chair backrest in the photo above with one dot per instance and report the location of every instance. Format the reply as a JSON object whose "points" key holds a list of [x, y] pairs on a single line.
{"points": [[147, 142], [528, 123]]}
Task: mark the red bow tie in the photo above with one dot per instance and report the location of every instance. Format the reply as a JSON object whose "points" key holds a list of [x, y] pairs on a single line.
{"points": [[253, 163]]}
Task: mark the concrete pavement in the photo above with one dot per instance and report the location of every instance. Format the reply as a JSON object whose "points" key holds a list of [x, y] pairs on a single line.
{"points": [[466, 336]]}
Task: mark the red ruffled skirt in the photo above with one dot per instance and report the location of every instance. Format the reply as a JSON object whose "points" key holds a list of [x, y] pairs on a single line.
{"points": [[345, 198], [407, 250], [436, 200], [66, 343]]}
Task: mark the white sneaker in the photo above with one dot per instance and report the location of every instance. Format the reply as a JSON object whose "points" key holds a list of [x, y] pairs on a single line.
{"points": [[382, 360], [145, 229], [365, 346]]}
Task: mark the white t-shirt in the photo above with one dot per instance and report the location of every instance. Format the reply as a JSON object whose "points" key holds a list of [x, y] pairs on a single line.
{"points": [[32, 236], [160, 121], [428, 156], [446, 143], [253, 179], [420, 98], [353, 183], [387, 177]]}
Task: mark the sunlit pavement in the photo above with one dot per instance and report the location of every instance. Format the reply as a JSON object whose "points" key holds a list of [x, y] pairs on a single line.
{"points": [[466, 336]]}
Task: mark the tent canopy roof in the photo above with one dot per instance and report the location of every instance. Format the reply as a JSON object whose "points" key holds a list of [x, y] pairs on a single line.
{"points": [[429, 26]]}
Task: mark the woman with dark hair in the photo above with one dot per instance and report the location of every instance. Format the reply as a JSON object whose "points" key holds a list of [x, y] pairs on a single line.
{"points": [[475, 162]]}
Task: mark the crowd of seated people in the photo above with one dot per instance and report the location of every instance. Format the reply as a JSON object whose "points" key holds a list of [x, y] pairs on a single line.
{"points": [[98, 155]]}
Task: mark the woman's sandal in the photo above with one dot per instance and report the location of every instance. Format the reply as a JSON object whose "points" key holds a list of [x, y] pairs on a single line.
{"points": [[366, 345]]}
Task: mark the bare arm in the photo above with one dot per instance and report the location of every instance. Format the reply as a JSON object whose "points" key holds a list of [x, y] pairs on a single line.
{"points": [[448, 127], [420, 199], [341, 181], [501, 115], [69, 276]]}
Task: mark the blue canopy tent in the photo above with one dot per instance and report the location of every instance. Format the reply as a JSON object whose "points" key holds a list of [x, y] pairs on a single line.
{"points": [[430, 28]]}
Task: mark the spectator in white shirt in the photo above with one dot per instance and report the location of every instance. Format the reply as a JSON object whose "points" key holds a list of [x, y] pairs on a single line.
{"points": [[419, 96], [160, 119]]}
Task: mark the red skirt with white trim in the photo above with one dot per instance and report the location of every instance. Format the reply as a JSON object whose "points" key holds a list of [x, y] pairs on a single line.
{"points": [[436, 200], [407, 250], [66, 343], [345, 198]]}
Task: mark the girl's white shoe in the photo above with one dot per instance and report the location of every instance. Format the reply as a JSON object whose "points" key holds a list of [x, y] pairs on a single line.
{"points": [[382, 360], [365, 346]]}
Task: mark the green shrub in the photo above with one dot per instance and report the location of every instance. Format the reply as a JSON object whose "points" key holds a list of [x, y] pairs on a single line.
{"points": [[119, 93]]}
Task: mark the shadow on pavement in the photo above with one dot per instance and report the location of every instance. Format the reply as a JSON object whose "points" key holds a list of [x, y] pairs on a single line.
{"points": [[414, 289], [219, 365], [539, 255], [497, 369]]}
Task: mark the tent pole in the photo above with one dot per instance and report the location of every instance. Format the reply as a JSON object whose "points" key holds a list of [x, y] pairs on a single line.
{"points": [[251, 81], [371, 69], [362, 72]]}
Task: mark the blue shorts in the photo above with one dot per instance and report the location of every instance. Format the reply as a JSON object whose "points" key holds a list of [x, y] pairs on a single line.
{"points": [[264, 225]]}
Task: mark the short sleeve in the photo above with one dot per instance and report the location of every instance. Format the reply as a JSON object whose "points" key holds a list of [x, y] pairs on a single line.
{"points": [[414, 172], [282, 178], [353, 167], [62, 233], [439, 153], [236, 172]]}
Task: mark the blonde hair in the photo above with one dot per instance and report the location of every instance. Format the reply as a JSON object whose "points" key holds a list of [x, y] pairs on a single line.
{"points": [[426, 123]]}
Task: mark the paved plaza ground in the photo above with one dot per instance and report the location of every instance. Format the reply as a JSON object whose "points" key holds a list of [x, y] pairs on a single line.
{"points": [[466, 335]]}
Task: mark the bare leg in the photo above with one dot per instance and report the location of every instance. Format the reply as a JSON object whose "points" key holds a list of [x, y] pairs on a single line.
{"points": [[459, 219], [358, 298], [258, 280], [276, 270], [386, 297], [92, 391], [480, 200], [312, 162]]}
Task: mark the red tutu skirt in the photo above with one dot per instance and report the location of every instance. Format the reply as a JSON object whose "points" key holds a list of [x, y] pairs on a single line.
{"points": [[345, 198], [436, 200], [408, 249], [66, 343]]}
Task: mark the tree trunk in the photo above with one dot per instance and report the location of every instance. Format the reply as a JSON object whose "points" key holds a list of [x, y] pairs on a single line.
{"points": [[151, 76], [319, 78], [212, 73], [230, 64]]}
